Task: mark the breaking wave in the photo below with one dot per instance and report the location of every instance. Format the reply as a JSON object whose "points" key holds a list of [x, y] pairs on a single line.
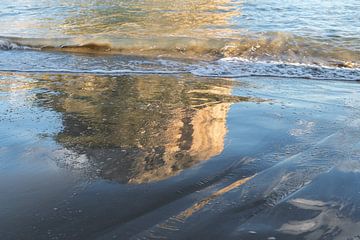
{"points": [[271, 46], [271, 54]]}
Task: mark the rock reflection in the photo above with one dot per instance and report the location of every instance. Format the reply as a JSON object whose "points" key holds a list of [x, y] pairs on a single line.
{"points": [[140, 129]]}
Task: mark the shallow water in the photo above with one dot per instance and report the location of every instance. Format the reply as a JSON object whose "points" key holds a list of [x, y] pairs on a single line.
{"points": [[221, 119], [139, 156]]}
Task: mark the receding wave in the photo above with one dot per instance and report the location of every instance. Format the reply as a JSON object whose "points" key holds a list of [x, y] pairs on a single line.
{"points": [[54, 62], [272, 46], [238, 67]]}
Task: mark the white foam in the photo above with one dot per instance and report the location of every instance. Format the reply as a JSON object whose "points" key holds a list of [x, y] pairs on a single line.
{"points": [[8, 45], [238, 67], [54, 62]]}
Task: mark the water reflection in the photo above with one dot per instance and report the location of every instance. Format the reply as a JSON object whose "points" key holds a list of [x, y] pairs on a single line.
{"points": [[115, 18], [138, 129], [150, 18]]}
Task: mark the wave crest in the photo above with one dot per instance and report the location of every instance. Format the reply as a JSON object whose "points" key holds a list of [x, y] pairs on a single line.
{"points": [[7, 45], [271, 46]]}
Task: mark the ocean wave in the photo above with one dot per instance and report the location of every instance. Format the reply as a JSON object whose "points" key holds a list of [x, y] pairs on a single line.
{"points": [[8, 45], [270, 46], [224, 65]]}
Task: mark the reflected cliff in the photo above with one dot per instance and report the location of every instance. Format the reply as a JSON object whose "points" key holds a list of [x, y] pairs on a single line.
{"points": [[137, 129]]}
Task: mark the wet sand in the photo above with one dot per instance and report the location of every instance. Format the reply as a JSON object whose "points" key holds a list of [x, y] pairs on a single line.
{"points": [[178, 157]]}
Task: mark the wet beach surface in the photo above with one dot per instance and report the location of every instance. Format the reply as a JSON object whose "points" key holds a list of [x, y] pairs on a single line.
{"points": [[156, 119], [178, 156]]}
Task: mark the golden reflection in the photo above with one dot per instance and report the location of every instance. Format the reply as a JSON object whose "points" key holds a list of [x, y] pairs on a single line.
{"points": [[202, 203], [152, 18], [137, 129], [119, 19]]}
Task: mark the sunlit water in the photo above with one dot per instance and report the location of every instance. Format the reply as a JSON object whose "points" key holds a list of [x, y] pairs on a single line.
{"points": [[149, 119], [316, 34]]}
